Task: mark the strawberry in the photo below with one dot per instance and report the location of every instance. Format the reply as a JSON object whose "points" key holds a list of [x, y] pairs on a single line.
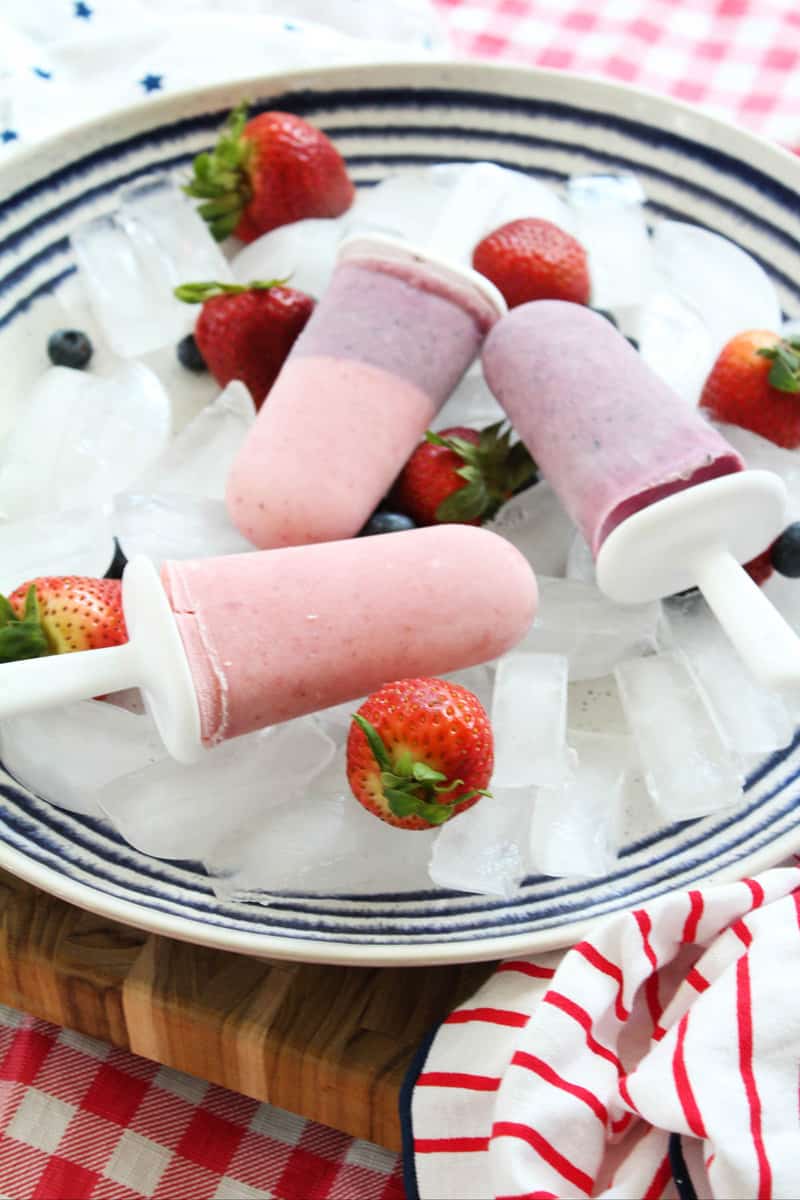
{"points": [[269, 171], [532, 259], [755, 383], [245, 331], [462, 475], [419, 752], [59, 614], [760, 568]]}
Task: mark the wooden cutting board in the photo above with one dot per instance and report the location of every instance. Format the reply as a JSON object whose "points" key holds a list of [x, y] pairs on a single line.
{"points": [[330, 1043]]}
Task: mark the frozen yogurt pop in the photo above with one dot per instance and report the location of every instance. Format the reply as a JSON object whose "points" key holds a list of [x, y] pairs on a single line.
{"points": [[224, 646], [661, 498]]}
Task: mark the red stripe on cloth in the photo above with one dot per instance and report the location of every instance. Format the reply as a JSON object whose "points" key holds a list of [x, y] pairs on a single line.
{"points": [[582, 1017], [493, 1016], [756, 891], [529, 1196], [625, 1092], [546, 1150], [796, 898], [659, 1181], [651, 984], [744, 1020], [682, 1084], [742, 932], [601, 963], [693, 919], [525, 968], [454, 1145], [623, 1123], [698, 981], [546, 1072], [456, 1079]]}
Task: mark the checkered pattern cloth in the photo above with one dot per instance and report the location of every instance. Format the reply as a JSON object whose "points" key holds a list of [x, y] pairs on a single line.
{"points": [[80, 1119]]}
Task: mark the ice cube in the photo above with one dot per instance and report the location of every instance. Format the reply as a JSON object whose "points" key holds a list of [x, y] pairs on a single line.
{"points": [[753, 719], [580, 564], [688, 768], [81, 439], [66, 754], [529, 717], [163, 525], [485, 849], [611, 225], [575, 828], [302, 253], [174, 811], [198, 460], [575, 619], [130, 261], [538, 526], [471, 404], [760, 453], [75, 542], [791, 328], [676, 342], [716, 279]]}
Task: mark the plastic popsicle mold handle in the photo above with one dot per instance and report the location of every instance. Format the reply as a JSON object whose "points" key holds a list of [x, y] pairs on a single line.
{"points": [[698, 538], [152, 659]]}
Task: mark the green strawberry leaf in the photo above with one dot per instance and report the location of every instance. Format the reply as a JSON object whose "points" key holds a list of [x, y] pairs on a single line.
{"points": [[425, 774], [466, 504], [7, 614], [402, 804], [435, 814], [785, 359], [379, 751]]}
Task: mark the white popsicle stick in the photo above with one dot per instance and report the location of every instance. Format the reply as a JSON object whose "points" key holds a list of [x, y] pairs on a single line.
{"points": [[152, 659], [698, 538]]}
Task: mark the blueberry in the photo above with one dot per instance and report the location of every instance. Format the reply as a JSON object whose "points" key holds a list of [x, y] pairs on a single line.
{"points": [[189, 354], [785, 554], [118, 562], [609, 316], [386, 522], [69, 348]]}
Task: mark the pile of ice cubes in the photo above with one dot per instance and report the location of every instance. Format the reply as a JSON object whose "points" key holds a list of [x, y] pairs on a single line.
{"points": [[132, 450]]}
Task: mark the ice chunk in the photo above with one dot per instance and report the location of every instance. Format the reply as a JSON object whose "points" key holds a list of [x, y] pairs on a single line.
{"points": [[715, 278], [75, 542], [81, 439], [580, 564], [760, 453], [611, 225], [575, 619], [753, 719], [198, 460], [66, 754], [302, 253], [164, 525], [676, 343], [538, 526], [575, 828], [131, 260], [174, 811], [529, 718], [471, 404], [688, 768], [791, 328], [485, 849]]}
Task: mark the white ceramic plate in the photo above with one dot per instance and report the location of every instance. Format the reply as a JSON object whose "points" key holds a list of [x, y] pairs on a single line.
{"points": [[388, 118]]}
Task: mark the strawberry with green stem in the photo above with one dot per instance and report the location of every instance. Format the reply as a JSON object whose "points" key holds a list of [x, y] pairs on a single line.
{"points": [[61, 614], [755, 384]]}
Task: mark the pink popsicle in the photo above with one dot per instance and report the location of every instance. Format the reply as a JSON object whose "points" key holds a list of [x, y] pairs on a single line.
{"points": [[606, 432], [270, 636], [384, 348]]}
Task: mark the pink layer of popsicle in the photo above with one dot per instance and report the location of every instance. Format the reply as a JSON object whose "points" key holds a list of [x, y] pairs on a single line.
{"points": [[276, 634], [607, 433]]}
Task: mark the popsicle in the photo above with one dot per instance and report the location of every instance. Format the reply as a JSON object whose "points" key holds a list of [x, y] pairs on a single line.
{"points": [[661, 498], [223, 646]]}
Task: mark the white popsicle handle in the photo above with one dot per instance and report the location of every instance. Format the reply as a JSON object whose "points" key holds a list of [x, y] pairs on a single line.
{"points": [[152, 659], [765, 641]]}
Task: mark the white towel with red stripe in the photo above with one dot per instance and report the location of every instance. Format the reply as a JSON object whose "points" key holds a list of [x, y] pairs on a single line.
{"points": [[658, 1058]]}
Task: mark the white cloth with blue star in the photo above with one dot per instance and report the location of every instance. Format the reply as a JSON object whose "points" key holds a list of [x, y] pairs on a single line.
{"points": [[67, 61]]}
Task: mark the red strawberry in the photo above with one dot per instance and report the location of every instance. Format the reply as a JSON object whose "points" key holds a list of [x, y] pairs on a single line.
{"points": [[532, 259], [760, 569], [245, 331], [755, 383], [267, 172], [419, 752], [59, 614], [462, 475]]}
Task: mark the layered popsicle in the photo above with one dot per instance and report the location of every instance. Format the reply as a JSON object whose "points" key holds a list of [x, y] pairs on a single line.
{"points": [[223, 646], [384, 348], [604, 429]]}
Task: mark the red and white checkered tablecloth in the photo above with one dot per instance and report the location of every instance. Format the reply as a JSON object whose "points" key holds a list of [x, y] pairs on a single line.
{"points": [[80, 1119]]}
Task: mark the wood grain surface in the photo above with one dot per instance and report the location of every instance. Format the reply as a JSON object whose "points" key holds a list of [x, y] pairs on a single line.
{"points": [[330, 1043]]}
